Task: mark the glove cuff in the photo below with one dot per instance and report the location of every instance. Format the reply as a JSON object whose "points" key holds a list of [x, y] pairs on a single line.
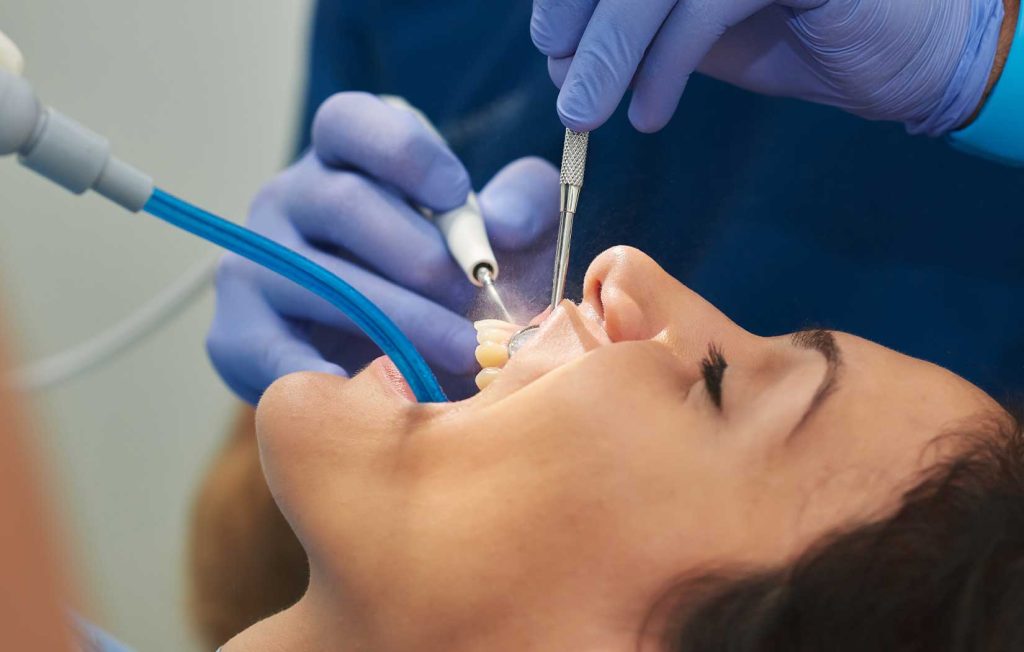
{"points": [[998, 133], [970, 77]]}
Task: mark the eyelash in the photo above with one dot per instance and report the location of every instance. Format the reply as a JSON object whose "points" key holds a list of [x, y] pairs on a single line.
{"points": [[713, 367]]}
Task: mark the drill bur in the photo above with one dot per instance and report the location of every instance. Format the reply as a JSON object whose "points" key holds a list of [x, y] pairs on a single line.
{"points": [[486, 278]]}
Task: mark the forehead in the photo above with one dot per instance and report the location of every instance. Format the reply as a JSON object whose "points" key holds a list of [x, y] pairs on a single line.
{"points": [[891, 418], [888, 407], [879, 372]]}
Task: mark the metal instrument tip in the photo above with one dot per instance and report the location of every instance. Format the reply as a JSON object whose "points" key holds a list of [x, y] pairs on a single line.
{"points": [[574, 165], [486, 278]]}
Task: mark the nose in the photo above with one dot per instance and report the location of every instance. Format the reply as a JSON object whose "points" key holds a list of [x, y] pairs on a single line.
{"points": [[638, 300]]}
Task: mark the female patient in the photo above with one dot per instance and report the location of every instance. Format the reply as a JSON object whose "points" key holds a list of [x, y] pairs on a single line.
{"points": [[646, 475]]}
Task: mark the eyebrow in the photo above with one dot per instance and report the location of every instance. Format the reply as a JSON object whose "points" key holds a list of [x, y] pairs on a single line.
{"points": [[822, 341]]}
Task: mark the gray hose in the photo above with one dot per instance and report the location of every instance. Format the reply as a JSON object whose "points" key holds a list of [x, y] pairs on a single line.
{"points": [[64, 151]]}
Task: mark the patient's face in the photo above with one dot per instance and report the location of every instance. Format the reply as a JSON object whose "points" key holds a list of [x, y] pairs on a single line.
{"points": [[611, 456]]}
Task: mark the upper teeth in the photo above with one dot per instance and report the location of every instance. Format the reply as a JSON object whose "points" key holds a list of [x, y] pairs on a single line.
{"points": [[492, 352]]}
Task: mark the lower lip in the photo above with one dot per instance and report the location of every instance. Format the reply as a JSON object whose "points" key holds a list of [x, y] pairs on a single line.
{"points": [[393, 379]]}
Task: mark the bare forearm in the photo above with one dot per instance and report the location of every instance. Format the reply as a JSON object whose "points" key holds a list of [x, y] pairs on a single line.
{"points": [[33, 601]]}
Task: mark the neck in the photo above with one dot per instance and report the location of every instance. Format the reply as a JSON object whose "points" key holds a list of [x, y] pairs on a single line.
{"points": [[297, 628], [309, 627]]}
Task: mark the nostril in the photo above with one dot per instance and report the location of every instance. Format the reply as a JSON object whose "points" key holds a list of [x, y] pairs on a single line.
{"points": [[599, 299], [592, 296]]}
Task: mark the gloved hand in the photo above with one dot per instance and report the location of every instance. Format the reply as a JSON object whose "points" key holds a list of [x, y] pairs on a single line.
{"points": [[925, 63], [347, 205]]}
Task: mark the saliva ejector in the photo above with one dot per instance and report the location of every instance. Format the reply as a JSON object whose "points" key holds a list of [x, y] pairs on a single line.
{"points": [[72, 156]]}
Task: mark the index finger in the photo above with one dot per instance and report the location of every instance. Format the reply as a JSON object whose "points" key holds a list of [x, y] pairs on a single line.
{"points": [[608, 56], [557, 26], [361, 131]]}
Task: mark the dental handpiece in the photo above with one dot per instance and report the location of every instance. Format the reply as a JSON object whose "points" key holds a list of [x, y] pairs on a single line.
{"points": [[463, 229], [574, 164]]}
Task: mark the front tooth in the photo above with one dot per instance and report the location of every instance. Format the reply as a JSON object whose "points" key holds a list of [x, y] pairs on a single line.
{"points": [[492, 354], [486, 377], [493, 336], [495, 324]]}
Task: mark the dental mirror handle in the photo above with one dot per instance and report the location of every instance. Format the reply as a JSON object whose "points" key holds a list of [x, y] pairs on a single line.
{"points": [[463, 227], [574, 165]]}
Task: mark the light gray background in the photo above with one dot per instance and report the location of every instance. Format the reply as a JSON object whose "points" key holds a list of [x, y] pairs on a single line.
{"points": [[203, 95]]}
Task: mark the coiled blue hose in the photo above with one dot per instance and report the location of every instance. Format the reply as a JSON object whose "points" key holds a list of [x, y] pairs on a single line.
{"points": [[262, 251]]}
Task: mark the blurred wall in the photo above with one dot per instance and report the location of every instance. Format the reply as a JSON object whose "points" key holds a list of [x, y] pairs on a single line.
{"points": [[203, 95]]}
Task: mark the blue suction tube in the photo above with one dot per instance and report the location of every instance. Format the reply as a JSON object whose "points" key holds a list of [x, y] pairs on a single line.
{"points": [[313, 277], [67, 153]]}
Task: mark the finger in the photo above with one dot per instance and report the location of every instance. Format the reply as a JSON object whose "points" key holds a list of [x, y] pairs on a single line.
{"points": [[250, 345], [607, 59], [361, 131], [688, 34], [520, 205], [557, 26], [558, 69], [447, 340], [352, 352], [738, 57], [350, 211]]}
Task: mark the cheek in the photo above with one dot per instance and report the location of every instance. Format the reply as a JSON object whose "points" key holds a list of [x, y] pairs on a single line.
{"points": [[612, 482]]}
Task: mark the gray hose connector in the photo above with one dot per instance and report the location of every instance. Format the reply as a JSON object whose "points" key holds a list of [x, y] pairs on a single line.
{"points": [[64, 151]]}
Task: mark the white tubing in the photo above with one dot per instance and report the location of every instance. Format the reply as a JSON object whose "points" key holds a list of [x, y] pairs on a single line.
{"points": [[151, 317]]}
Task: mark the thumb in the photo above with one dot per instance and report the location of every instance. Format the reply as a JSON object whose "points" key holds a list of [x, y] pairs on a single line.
{"points": [[520, 204]]}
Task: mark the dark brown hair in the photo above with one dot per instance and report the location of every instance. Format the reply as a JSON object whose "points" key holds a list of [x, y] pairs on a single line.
{"points": [[945, 573]]}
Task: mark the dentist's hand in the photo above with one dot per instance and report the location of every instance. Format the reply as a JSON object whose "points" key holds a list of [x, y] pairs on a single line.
{"points": [[925, 63], [347, 205]]}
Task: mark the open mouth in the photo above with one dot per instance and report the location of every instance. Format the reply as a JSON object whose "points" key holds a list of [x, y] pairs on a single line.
{"points": [[392, 378], [560, 337]]}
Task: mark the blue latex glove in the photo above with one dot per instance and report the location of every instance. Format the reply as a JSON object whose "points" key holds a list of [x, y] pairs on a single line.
{"points": [[347, 205], [921, 62]]}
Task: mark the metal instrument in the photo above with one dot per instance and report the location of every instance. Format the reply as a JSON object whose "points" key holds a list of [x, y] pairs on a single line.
{"points": [[574, 164]]}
